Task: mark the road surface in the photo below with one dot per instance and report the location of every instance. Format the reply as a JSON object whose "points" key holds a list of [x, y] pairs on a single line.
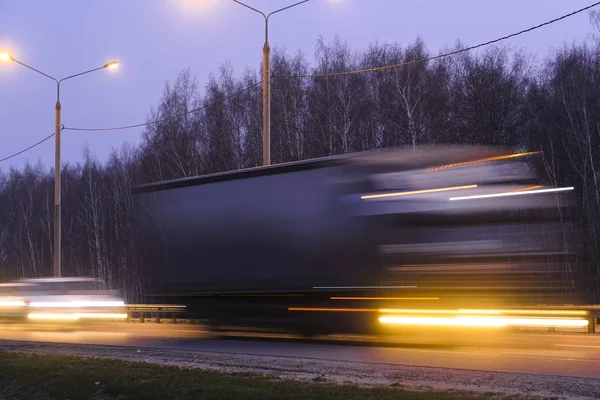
{"points": [[576, 355]]}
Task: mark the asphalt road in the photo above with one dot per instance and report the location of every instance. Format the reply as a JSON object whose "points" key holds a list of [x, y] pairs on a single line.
{"points": [[563, 354]]}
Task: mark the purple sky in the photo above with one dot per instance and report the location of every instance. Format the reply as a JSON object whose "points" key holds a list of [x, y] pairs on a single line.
{"points": [[154, 39]]}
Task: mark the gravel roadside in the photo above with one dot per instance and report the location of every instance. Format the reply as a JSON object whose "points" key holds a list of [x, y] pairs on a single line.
{"points": [[363, 374]]}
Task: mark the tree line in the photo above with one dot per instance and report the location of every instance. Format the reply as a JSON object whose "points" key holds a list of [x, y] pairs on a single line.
{"points": [[496, 97]]}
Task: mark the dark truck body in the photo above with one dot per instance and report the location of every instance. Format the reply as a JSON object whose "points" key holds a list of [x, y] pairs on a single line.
{"points": [[273, 232], [247, 247]]}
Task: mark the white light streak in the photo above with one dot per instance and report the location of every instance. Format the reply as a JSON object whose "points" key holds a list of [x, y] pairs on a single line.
{"points": [[12, 303], [100, 316], [505, 194], [46, 316], [75, 304], [74, 316]]}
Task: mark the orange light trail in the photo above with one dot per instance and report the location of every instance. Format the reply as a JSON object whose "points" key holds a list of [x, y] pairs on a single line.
{"points": [[527, 188], [332, 309], [492, 322], [487, 159], [424, 191], [385, 298], [483, 312]]}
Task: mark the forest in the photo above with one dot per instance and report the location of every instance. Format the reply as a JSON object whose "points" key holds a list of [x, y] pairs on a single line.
{"points": [[497, 96]]}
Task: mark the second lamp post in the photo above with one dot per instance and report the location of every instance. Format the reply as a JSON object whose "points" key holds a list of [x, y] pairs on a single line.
{"points": [[266, 83], [57, 129]]}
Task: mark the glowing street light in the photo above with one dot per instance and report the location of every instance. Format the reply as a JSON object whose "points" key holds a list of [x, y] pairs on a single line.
{"points": [[57, 127]]}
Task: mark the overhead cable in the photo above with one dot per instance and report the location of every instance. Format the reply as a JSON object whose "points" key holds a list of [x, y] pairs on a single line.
{"points": [[421, 60], [117, 128], [26, 149]]}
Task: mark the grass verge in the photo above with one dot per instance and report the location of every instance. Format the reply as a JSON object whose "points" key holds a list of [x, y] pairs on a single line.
{"points": [[28, 376]]}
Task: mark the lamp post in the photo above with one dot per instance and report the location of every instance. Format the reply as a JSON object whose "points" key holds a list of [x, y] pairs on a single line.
{"points": [[266, 133], [57, 129]]}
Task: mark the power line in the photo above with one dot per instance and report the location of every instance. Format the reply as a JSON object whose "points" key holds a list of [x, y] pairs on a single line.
{"points": [[26, 149], [133, 126], [358, 71], [167, 118]]}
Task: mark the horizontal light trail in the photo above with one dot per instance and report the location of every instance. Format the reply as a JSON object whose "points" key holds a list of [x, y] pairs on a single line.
{"points": [[58, 317], [485, 312], [424, 191], [364, 287], [12, 303], [527, 188], [332, 309], [74, 316], [75, 304], [492, 322], [506, 194], [539, 312], [482, 160], [385, 298], [101, 316], [453, 314]]}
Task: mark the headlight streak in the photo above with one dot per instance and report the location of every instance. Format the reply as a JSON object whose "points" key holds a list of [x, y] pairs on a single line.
{"points": [[469, 317], [485, 318], [75, 304], [56, 317], [511, 193], [413, 192], [12, 303], [481, 321], [485, 312], [483, 160], [74, 316], [385, 298], [364, 287]]}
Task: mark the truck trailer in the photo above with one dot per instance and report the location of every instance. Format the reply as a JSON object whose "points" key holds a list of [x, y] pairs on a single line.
{"points": [[322, 246]]}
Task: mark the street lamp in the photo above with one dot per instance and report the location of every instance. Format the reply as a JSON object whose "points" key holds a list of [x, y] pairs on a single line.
{"points": [[267, 81], [57, 127]]}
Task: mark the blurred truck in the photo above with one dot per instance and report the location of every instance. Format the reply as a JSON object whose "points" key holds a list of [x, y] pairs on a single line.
{"points": [[323, 245]]}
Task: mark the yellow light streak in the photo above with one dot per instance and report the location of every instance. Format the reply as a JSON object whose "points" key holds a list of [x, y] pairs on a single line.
{"points": [[484, 312], [424, 191], [58, 317], [492, 322], [415, 311], [332, 309], [101, 316], [385, 298], [539, 312], [482, 160], [527, 188]]}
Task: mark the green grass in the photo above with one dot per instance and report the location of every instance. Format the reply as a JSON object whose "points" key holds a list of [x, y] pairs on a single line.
{"points": [[25, 376]]}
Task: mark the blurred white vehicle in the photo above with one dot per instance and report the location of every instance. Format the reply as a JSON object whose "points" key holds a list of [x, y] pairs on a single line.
{"points": [[66, 299], [12, 303]]}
